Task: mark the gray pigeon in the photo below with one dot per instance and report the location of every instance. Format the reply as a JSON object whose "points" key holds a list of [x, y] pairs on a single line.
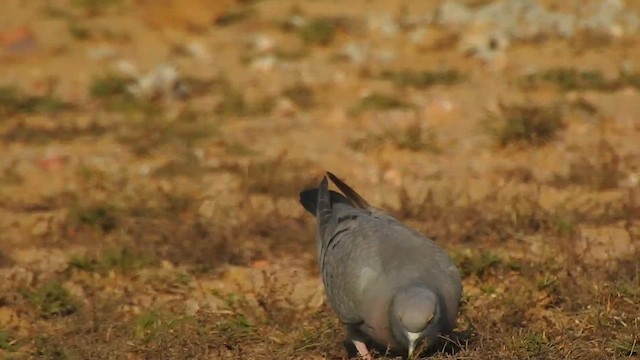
{"points": [[389, 284]]}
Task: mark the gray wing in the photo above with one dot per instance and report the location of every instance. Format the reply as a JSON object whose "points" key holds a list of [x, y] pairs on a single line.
{"points": [[344, 257]]}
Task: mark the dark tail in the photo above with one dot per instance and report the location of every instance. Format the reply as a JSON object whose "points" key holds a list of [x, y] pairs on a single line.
{"points": [[309, 198], [351, 194], [324, 202]]}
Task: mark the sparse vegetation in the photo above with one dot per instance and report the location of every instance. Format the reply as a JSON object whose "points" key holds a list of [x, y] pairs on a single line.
{"points": [[423, 79], [233, 103], [179, 134], [276, 177], [239, 149], [476, 263], [22, 132], [153, 324], [104, 217], [568, 79], [121, 258], [234, 17], [534, 345], [412, 137], [52, 300], [379, 101], [7, 343], [78, 31], [526, 124], [301, 95], [627, 346], [185, 164], [571, 79], [600, 172], [114, 91], [110, 85], [319, 31], [13, 101], [50, 349], [94, 7], [235, 327]]}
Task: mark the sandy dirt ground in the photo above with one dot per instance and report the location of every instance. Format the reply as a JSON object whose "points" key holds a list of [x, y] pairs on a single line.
{"points": [[152, 152]]}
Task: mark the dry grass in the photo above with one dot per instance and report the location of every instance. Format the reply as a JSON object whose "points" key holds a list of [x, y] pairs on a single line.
{"points": [[528, 124]]}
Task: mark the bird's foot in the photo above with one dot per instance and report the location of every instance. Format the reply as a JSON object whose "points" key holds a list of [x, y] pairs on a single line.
{"points": [[362, 350]]}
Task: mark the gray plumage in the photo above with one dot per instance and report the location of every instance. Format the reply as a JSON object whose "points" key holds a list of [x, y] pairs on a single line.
{"points": [[387, 283]]}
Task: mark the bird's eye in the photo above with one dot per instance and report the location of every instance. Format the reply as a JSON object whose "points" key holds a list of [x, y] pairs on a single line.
{"points": [[430, 320]]}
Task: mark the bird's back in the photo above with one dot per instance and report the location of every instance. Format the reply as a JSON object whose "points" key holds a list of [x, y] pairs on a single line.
{"points": [[365, 258]]}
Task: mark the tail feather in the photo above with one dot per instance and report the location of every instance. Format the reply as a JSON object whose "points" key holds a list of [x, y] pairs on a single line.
{"points": [[324, 211], [351, 194], [309, 199]]}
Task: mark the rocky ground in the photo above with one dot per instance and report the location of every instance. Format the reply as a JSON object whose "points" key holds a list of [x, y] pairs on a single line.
{"points": [[151, 153]]}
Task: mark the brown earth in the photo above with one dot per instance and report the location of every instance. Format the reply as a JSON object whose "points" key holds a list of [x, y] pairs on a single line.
{"points": [[165, 225]]}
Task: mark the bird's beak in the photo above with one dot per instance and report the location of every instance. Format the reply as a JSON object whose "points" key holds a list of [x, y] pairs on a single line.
{"points": [[413, 339]]}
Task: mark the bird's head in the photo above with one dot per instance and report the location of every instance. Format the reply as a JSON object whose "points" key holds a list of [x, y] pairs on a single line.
{"points": [[415, 317]]}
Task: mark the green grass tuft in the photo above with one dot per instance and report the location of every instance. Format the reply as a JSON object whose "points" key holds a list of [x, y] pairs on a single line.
{"points": [[628, 346], [103, 216], [527, 124], [52, 300], [236, 326], [533, 344], [7, 342], [13, 101], [147, 323], [476, 263], [121, 259]]}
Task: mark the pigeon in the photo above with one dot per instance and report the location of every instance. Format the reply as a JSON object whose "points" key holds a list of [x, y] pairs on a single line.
{"points": [[390, 286]]}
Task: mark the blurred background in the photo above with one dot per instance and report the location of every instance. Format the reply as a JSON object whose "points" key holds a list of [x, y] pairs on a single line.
{"points": [[151, 155]]}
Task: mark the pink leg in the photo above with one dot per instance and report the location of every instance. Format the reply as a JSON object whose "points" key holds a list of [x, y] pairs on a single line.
{"points": [[362, 350]]}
